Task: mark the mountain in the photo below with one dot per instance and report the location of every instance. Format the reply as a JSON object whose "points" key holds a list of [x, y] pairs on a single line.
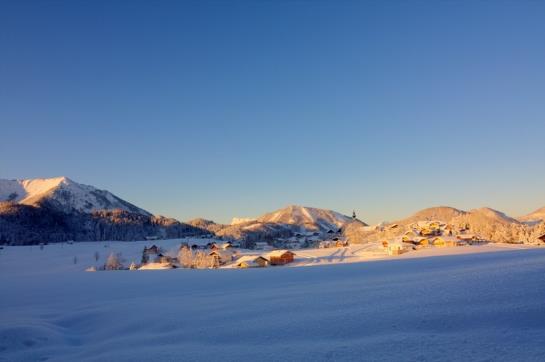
{"points": [[491, 216], [308, 217], [442, 213], [63, 194], [59, 209], [534, 218]]}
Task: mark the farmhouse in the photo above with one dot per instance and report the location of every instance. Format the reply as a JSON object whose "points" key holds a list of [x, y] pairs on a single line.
{"points": [[279, 257]]}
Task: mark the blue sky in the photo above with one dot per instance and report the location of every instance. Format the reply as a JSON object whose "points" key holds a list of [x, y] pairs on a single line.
{"points": [[225, 109]]}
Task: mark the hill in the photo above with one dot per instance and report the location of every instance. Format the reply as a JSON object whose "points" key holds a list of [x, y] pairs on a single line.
{"points": [[534, 218]]}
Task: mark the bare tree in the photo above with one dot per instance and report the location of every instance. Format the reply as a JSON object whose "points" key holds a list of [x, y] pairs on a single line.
{"points": [[185, 257], [113, 263]]}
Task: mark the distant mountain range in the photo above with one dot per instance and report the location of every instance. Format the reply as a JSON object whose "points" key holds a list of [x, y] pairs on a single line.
{"points": [[488, 223], [59, 209], [282, 223]]}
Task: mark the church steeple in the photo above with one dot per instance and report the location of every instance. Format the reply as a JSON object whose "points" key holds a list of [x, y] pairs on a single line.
{"points": [[354, 214]]}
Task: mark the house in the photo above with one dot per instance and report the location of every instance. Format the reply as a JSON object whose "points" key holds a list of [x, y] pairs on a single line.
{"points": [[212, 246], [395, 249], [409, 237], [220, 257], [446, 241], [226, 245], [217, 258], [279, 257], [246, 261], [261, 262], [438, 242], [152, 250], [163, 258], [422, 241]]}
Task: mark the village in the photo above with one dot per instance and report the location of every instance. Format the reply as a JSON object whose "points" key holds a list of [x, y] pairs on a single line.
{"points": [[219, 254]]}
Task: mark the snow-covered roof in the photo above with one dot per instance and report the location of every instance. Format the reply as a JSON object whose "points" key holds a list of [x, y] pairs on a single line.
{"points": [[246, 259], [276, 253]]}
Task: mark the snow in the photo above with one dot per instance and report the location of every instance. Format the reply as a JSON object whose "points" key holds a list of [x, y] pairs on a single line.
{"points": [[241, 220], [29, 188], [426, 305]]}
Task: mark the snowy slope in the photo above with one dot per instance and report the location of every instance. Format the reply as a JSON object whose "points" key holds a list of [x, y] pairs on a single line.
{"points": [[64, 194], [479, 307]]}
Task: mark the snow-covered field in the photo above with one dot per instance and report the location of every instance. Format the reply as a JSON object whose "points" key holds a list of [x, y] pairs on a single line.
{"points": [[473, 304]]}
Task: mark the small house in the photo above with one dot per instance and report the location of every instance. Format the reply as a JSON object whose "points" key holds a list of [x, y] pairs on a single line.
{"points": [[395, 249], [227, 245], [439, 242], [261, 262], [152, 250], [422, 241], [246, 261], [279, 257], [212, 246]]}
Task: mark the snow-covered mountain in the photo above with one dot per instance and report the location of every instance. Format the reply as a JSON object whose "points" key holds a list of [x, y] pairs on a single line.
{"points": [[534, 218], [306, 216], [443, 213], [63, 194], [59, 209]]}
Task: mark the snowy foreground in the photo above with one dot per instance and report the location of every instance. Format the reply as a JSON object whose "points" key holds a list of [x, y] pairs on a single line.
{"points": [[484, 306]]}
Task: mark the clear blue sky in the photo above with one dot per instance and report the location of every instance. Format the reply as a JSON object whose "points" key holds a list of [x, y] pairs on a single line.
{"points": [[226, 109]]}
